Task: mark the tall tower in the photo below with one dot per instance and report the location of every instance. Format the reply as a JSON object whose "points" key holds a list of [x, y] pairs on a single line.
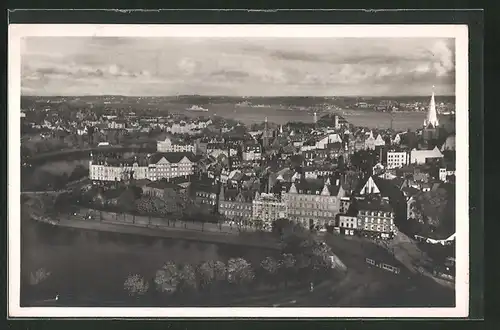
{"points": [[315, 118], [265, 139], [432, 119]]}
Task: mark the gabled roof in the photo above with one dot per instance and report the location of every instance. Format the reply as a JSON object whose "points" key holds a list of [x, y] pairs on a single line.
{"points": [[314, 187], [373, 205], [172, 157], [229, 194]]}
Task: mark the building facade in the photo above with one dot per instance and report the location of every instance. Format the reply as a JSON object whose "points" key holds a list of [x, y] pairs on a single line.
{"points": [[422, 156], [396, 159], [348, 224], [267, 208], [171, 165], [252, 152], [313, 203], [205, 196], [376, 218], [235, 204], [158, 166], [169, 146]]}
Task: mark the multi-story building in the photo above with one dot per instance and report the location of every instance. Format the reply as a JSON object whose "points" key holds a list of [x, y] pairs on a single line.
{"points": [[205, 193], [156, 167], [396, 159], [252, 152], [345, 203], [103, 168], [313, 203], [236, 204], [314, 172], [375, 218], [116, 125], [348, 224], [422, 156], [267, 208], [371, 142], [171, 165], [169, 146], [446, 172]]}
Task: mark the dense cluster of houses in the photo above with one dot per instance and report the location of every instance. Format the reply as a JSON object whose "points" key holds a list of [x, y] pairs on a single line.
{"points": [[297, 173]]}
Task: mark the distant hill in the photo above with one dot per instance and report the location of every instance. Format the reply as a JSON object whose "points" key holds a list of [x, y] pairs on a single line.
{"points": [[207, 100]]}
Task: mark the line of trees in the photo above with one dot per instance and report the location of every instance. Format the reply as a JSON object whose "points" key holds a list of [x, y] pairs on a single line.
{"points": [[304, 259]]}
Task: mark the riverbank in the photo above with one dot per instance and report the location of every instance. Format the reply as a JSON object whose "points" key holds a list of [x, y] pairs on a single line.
{"points": [[257, 240]]}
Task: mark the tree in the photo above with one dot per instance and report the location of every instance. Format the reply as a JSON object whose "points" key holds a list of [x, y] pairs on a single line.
{"points": [[146, 205], [78, 172], [167, 278], [270, 266], [220, 270], [239, 271], [126, 202], [280, 226], [187, 278], [135, 285], [206, 273], [286, 267], [137, 191]]}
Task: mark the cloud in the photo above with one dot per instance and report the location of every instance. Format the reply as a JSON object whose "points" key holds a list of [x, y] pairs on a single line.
{"points": [[230, 74], [315, 66]]}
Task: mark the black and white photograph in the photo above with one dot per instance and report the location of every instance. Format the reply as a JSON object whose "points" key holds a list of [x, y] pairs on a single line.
{"points": [[238, 171]]}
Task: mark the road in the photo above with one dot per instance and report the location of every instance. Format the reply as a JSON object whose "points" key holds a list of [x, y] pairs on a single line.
{"points": [[142, 220], [156, 230]]}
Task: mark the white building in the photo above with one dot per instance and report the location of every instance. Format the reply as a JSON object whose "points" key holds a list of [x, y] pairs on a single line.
{"points": [[348, 224], [444, 173], [158, 166], [421, 156], [396, 159], [322, 142], [169, 146], [252, 152], [268, 208], [432, 120], [116, 125], [371, 142], [170, 165]]}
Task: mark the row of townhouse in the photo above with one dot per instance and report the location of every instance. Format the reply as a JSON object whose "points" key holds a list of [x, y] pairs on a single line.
{"points": [[370, 217], [154, 167], [168, 145]]}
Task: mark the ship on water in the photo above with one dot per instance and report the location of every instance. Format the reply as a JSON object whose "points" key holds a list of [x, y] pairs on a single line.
{"points": [[196, 108]]}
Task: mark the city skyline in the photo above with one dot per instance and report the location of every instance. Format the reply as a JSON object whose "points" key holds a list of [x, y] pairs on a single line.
{"points": [[271, 67]]}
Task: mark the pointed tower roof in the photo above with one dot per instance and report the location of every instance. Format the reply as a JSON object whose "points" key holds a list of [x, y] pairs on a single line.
{"points": [[325, 191], [432, 119]]}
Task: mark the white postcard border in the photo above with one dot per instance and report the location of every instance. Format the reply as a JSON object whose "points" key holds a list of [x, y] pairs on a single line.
{"points": [[458, 32]]}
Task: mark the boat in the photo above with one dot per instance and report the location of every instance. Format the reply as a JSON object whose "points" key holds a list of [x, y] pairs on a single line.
{"points": [[196, 108]]}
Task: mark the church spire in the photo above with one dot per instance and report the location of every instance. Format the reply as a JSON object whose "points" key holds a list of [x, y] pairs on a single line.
{"points": [[432, 119], [265, 140]]}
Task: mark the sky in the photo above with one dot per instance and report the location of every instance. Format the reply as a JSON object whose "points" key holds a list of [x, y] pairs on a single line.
{"points": [[237, 67]]}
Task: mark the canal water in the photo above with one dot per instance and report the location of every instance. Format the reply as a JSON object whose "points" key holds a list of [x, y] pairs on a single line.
{"points": [[90, 267]]}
